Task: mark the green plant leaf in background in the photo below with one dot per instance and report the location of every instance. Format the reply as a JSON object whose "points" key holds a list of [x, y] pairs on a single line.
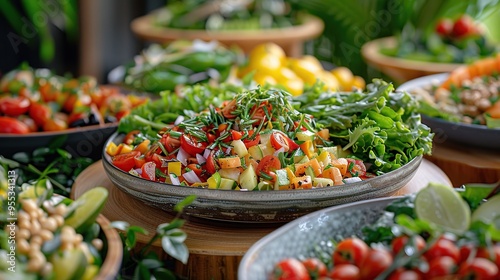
{"points": [[40, 16]]}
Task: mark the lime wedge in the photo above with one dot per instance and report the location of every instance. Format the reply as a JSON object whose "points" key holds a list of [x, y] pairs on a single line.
{"points": [[442, 206], [488, 211], [89, 205], [69, 264], [41, 187]]}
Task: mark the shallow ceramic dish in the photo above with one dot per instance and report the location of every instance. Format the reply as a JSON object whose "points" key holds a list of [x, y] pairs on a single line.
{"points": [[468, 134], [256, 207], [303, 237], [401, 70], [87, 141]]}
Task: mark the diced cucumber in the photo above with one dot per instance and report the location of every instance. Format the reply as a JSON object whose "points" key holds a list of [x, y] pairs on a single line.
{"points": [[332, 150], [256, 152], [305, 135], [214, 181], [322, 182], [240, 148], [303, 159], [265, 137], [227, 184], [266, 149], [248, 179], [310, 171], [265, 186], [230, 173], [282, 177]]}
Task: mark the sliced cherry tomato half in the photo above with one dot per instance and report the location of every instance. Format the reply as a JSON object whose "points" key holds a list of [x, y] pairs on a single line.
{"points": [[267, 164], [290, 268], [148, 171], [14, 106], [236, 135], [191, 145], [281, 140], [40, 113], [14, 126], [251, 140], [129, 138], [170, 143], [125, 161], [211, 165]]}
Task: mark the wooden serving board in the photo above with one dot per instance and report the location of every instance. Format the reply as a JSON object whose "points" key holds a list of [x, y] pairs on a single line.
{"points": [[216, 248], [465, 164]]}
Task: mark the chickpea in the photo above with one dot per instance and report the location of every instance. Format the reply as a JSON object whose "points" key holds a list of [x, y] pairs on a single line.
{"points": [[483, 104], [48, 206], [36, 239], [68, 235], [23, 234], [35, 226], [59, 220], [78, 239], [46, 235], [29, 205], [23, 216], [97, 243], [61, 209], [50, 224], [34, 265], [23, 247], [25, 224]]}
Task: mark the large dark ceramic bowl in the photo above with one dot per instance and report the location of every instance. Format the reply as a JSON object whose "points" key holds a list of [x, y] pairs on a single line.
{"points": [[309, 236], [467, 134], [256, 207], [85, 141]]}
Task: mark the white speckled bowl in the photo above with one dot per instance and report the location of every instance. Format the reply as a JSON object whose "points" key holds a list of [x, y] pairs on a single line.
{"points": [[256, 206], [309, 235]]}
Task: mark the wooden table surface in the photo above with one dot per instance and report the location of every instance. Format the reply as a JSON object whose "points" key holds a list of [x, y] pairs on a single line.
{"points": [[216, 248], [463, 164]]}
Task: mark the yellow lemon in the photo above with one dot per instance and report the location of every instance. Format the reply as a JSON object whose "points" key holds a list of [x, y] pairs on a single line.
{"points": [[294, 86], [314, 61], [305, 69], [358, 82], [330, 81], [268, 49], [266, 63], [284, 74], [263, 79], [344, 76]]}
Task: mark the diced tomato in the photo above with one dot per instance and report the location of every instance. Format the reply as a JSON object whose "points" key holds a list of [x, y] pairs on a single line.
{"points": [[211, 165], [191, 145], [148, 171], [237, 135], [40, 113], [196, 168], [129, 138], [228, 109], [139, 161], [251, 140], [125, 161]]}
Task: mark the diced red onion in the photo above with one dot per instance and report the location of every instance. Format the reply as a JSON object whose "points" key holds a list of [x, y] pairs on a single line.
{"points": [[206, 153], [174, 179], [200, 159], [179, 119], [280, 150], [352, 180], [228, 150], [191, 177], [182, 156]]}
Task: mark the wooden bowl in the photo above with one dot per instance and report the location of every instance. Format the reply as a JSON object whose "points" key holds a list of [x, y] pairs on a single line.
{"points": [[114, 251], [291, 39], [401, 70]]}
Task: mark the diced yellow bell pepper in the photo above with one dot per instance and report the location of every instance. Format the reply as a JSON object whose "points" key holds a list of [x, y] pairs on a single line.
{"points": [[175, 167]]}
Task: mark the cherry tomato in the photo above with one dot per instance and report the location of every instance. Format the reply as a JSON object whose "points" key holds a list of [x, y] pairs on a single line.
{"points": [[478, 268], [403, 274], [191, 145], [350, 251], [196, 168], [129, 137], [290, 269], [170, 143], [139, 161], [228, 109], [29, 122], [281, 140], [463, 26], [376, 261], [125, 161], [399, 243], [356, 168], [14, 126], [443, 247], [494, 255], [55, 124], [465, 251], [47, 90], [251, 140], [444, 27], [211, 165], [345, 272], [267, 164], [315, 267], [148, 171], [441, 266], [259, 113], [40, 113], [236, 135], [14, 106]]}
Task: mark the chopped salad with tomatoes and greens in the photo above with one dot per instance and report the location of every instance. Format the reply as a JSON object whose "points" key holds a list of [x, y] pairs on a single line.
{"points": [[263, 139]]}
